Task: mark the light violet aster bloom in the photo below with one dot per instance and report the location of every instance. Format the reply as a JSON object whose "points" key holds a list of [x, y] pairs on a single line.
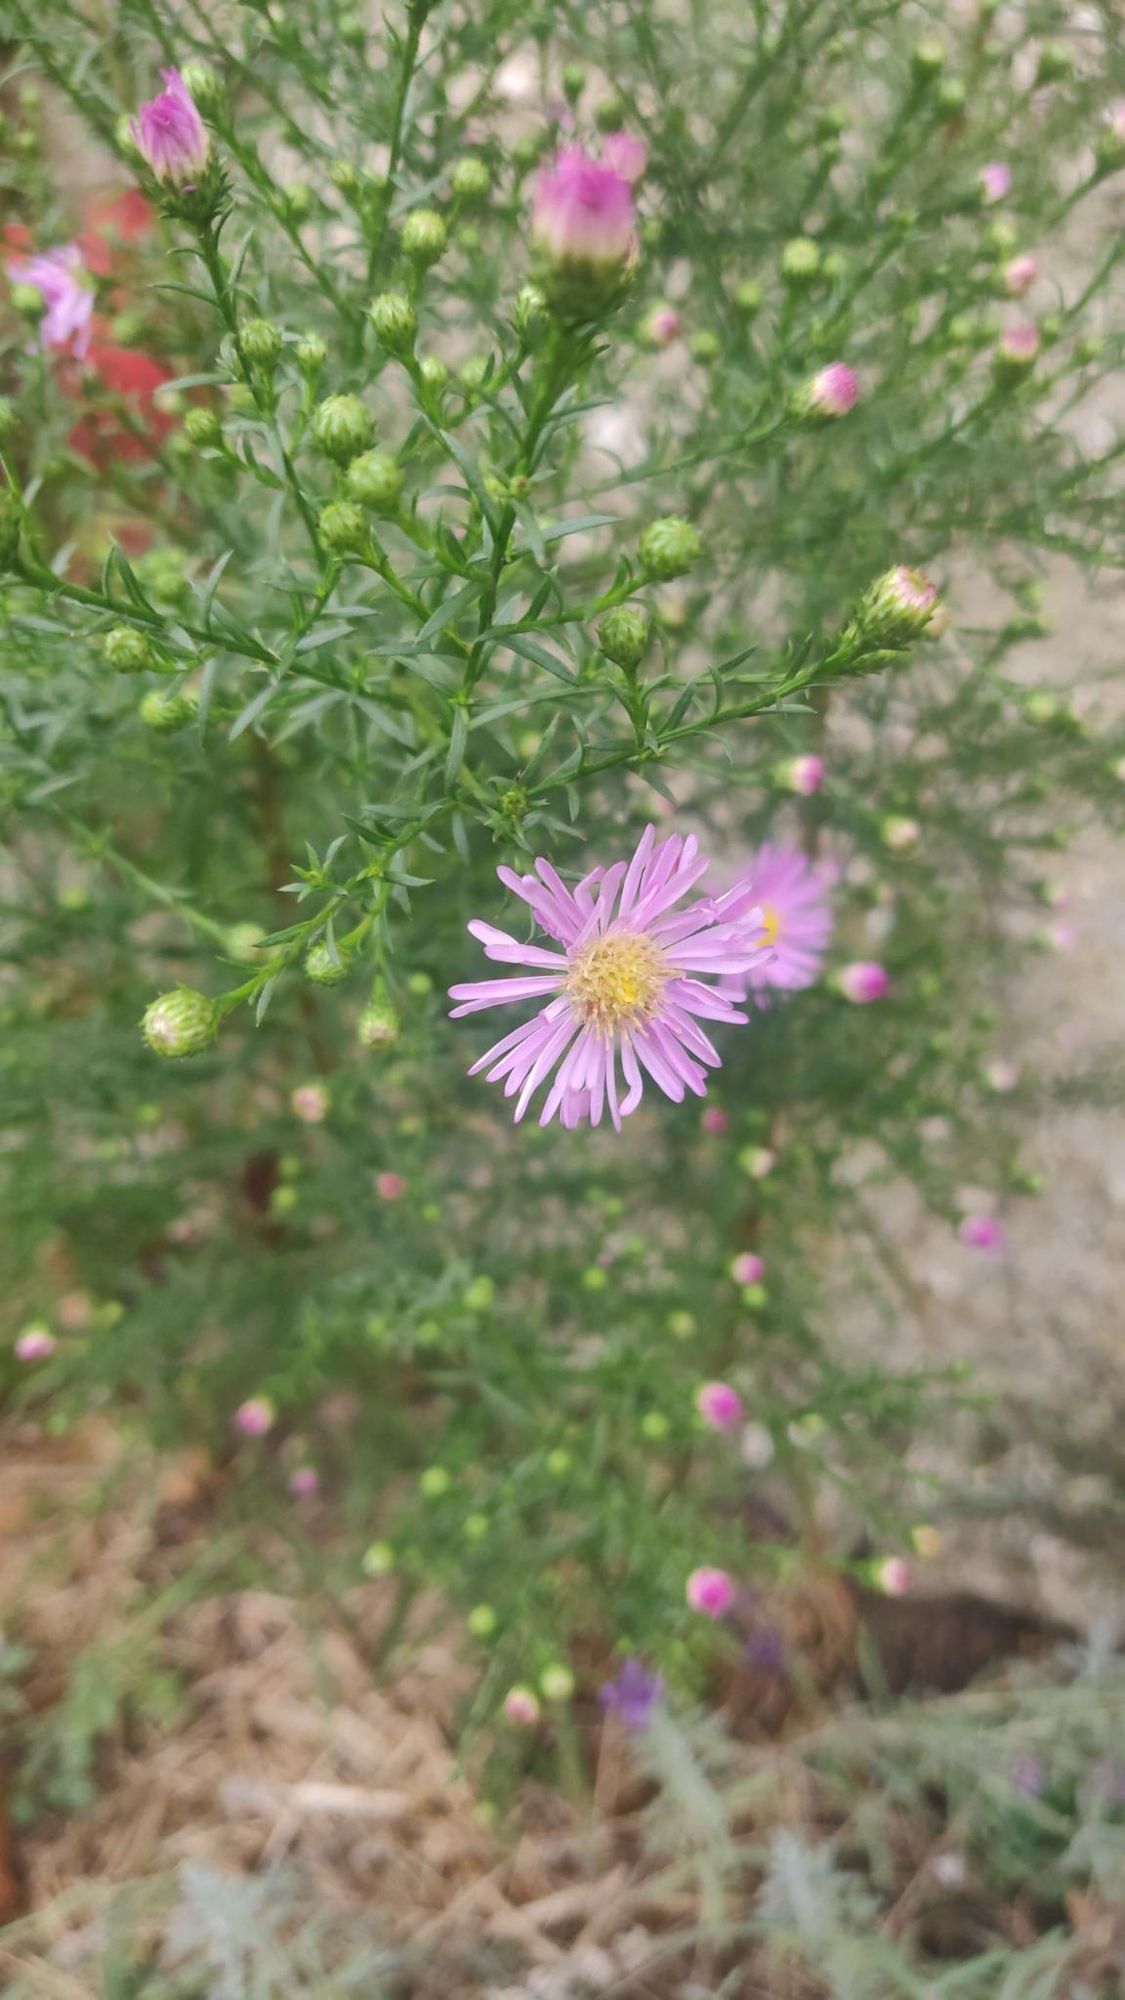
{"points": [[583, 215], [626, 154], [623, 987], [170, 135], [57, 275], [796, 918]]}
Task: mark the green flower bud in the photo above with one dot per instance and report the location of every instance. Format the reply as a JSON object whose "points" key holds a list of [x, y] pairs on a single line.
{"points": [[530, 313], [325, 967], [297, 200], [526, 149], [468, 239], [165, 713], [343, 427], [310, 354], [748, 298], [705, 347], [481, 1621], [203, 86], [378, 1560], [471, 375], [434, 1483], [127, 650], [471, 179], [927, 60], [392, 316], [654, 1426], [343, 528], [668, 548], [375, 480], [573, 82], [556, 1683], [1002, 236], [1054, 63], [260, 342], [609, 115], [180, 1023], [558, 1462], [242, 941], [28, 302], [949, 97], [377, 1026], [623, 636], [475, 1527], [800, 261], [161, 573], [895, 609], [203, 428], [423, 236], [346, 177], [434, 373], [479, 1294]]}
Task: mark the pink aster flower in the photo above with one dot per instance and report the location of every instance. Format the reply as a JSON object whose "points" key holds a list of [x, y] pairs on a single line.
{"points": [[714, 1121], [1020, 274], [255, 1417], [583, 216], [390, 1187], [626, 154], [623, 986], [995, 180], [710, 1591], [719, 1405], [35, 1343], [797, 922], [58, 276], [832, 392], [304, 1482], [748, 1269], [863, 981], [803, 775], [170, 135], [983, 1232]]}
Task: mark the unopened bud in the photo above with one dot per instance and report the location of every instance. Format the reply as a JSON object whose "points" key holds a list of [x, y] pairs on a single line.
{"points": [[343, 528], [423, 236], [623, 636], [202, 86], [471, 179], [1016, 353], [434, 373], [896, 608], [375, 480], [180, 1023], [203, 428], [927, 60], [556, 1683], [392, 316], [573, 82], [529, 315], [377, 1026], [800, 261], [343, 427], [127, 650], [668, 548], [165, 713], [324, 965], [310, 354]]}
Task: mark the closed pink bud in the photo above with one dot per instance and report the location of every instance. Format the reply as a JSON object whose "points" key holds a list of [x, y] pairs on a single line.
{"points": [[714, 1120], [832, 392], [35, 1343], [521, 1706], [748, 1269], [304, 1482], [864, 981], [1020, 274], [389, 1187], [710, 1591], [661, 326], [719, 1405], [255, 1417], [893, 1576], [1001, 1075], [309, 1103], [803, 775], [1019, 346], [582, 219], [170, 135], [983, 1232], [995, 180]]}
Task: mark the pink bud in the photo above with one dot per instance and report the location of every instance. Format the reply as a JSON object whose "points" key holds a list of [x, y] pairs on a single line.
{"points": [[1001, 1075], [627, 155], [983, 1232], [714, 1120], [521, 1706], [304, 1482], [583, 215], [170, 135], [803, 775], [863, 981], [719, 1405], [255, 1417], [35, 1343], [893, 1576], [662, 326], [710, 1591], [309, 1103], [1020, 344], [995, 181], [748, 1269], [834, 391], [1020, 274], [389, 1187]]}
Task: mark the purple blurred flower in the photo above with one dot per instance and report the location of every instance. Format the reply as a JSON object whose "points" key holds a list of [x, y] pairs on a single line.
{"points": [[983, 1232], [792, 894], [304, 1482], [624, 985], [719, 1405], [626, 154], [995, 180], [57, 275], [632, 1694], [170, 135]]}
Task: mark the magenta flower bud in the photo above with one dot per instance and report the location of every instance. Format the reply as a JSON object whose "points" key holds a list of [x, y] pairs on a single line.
{"points": [[803, 775], [995, 181], [831, 393], [389, 1187], [901, 834], [59, 277], [309, 1102], [1018, 348], [714, 1121], [661, 326], [893, 1576], [719, 1405], [583, 225], [710, 1591], [170, 135], [626, 154], [983, 1232], [254, 1417], [1001, 1075], [35, 1343], [521, 1706], [304, 1482], [1020, 274], [863, 981], [748, 1269]]}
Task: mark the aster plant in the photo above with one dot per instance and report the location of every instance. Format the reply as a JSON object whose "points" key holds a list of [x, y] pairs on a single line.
{"points": [[519, 487]]}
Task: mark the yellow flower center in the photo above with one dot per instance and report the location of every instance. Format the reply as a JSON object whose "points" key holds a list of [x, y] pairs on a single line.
{"points": [[616, 982], [771, 925]]}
